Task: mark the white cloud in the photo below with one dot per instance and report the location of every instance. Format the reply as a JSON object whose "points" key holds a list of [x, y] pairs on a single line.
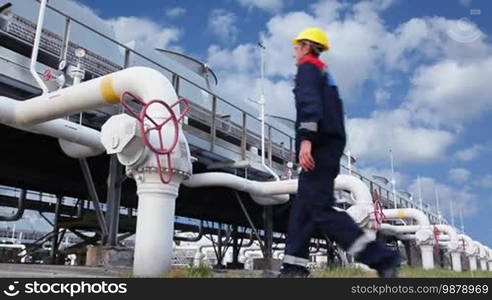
{"points": [[465, 2], [402, 180], [471, 153], [144, 31], [441, 95], [175, 12], [268, 5], [240, 59], [486, 181], [463, 198], [459, 175], [382, 96], [419, 129], [223, 23], [371, 138]]}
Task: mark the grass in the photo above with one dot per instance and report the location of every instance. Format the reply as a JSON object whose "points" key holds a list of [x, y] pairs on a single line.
{"points": [[405, 272], [190, 272]]}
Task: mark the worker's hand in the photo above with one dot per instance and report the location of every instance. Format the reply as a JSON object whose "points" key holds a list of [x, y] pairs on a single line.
{"points": [[305, 157]]}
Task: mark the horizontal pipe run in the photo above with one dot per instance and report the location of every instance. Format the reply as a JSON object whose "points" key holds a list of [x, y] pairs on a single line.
{"points": [[259, 190], [407, 213]]}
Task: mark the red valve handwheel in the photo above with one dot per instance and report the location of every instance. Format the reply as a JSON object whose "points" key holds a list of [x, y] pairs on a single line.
{"points": [[145, 131], [378, 208], [436, 233]]}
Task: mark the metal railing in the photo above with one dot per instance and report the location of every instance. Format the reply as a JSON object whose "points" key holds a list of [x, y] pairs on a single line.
{"points": [[281, 150]]}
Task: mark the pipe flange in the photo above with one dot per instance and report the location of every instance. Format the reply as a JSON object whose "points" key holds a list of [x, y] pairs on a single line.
{"points": [[135, 172]]}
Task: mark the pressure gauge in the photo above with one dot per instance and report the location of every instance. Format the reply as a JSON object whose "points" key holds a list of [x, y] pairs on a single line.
{"points": [[62, 65], [79, 52]]}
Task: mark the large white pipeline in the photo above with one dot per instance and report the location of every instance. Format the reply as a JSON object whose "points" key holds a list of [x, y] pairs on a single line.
{"points": [[482, 258], [144, 82], [470, 250], [423, 232], [407, 213], [276, 192], [75, 140], [43, 114], [342, 182], [452, 246]]}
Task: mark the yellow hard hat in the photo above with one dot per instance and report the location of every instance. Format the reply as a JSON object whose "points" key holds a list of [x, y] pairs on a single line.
{"points": [[313, 34]]}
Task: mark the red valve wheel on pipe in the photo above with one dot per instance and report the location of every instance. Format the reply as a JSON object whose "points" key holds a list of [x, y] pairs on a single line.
{"points": [[378, 209], [145, 131], [436, 233]]}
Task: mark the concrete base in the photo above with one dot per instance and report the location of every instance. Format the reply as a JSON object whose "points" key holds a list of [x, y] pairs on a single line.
{"points": [[271, 264], [109, 256], [427, 252], [456, 261]]}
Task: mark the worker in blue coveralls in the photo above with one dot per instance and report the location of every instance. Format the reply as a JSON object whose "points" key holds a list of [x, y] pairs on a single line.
{"points": [[320, 141]]}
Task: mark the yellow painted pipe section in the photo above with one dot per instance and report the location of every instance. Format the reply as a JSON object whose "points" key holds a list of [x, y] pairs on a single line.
{"points": [[401, 214], [107, 90]]}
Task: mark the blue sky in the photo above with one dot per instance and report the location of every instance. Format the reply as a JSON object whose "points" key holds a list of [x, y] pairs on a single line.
{"points": [[413, 76]]}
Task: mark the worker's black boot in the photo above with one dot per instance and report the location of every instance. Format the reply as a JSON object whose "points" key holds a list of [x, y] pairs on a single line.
{"points": [[379, 257], [293, 271]]}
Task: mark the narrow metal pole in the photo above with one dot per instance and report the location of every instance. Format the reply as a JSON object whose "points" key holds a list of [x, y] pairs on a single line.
{"points": [[270, 146], [268, 237], [213, 130], [113, 200], [66, 39], [235, 246], [244, 137], [420, 193], [54, 239], [437, 205], [94, 197], [461, 221], [393, 181]]}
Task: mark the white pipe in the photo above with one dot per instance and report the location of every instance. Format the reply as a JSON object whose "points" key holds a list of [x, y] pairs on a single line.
{"points": [[33, 114], [400, 229], [423, 233], [155, 226], [262, 113], [471, 250], [482, 256], [242, 253], [35, 48], [344, 182], [469, 246], [78, 140], [404, 213], [144, 82], [451, 232]]}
